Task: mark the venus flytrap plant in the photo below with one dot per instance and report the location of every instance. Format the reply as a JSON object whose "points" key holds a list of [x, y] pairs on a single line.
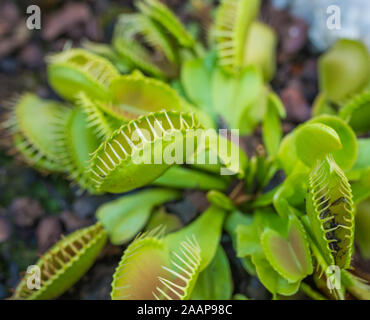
{"points": [[132, 131], [153, 33]]}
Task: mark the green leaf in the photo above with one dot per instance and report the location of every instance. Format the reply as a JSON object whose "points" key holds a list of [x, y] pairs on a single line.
{"points": [[242, 109], [248, 242], [239, 296], [138, 56], [107, 51], [265, 239], [233, 220], [287, 157], [196, 80], [125, 217], [361, 187], [355, 285], [214, 282], [215, 149], [34, 137], [135, 95]]}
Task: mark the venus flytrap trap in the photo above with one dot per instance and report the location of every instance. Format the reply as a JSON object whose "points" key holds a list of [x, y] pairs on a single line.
{"points": [[171, 263], [76, 70], [134, 95], [131, 148], [161, 30], [63, 264], [163, 15], [330, 210], [166, 279], [231, 31], [34, 138], [131, 26]]}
